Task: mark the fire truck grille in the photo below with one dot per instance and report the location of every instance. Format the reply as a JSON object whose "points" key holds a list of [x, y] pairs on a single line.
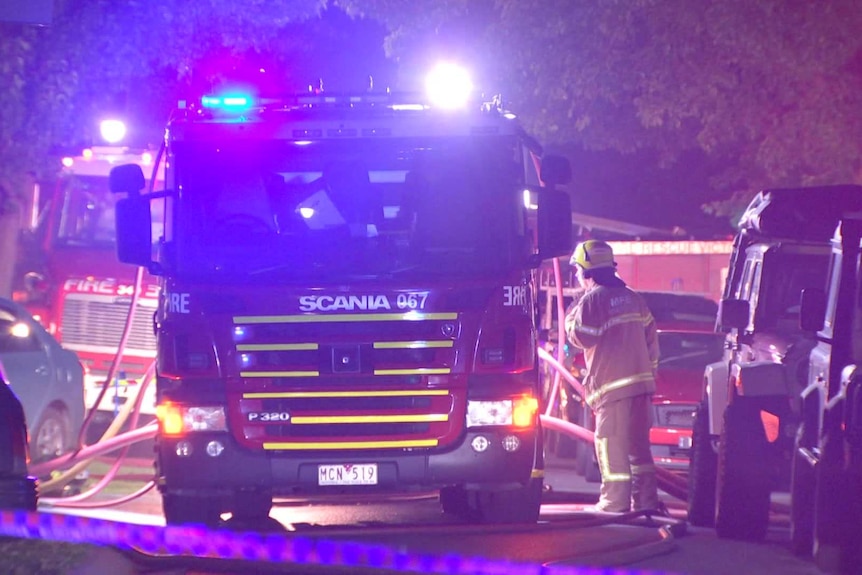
{"points": [[348, 381], [296, 419], [346, 404], [340, 431], [95, 323]]}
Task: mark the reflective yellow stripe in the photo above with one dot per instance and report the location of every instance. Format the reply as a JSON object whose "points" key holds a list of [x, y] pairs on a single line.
{"points": [[279, 373], [643, 469], [344, 317], [620, 383], [276, 346], [406, 418], [536, 473], [381, 393], [619, 320], [605, 464], [411, 344], [352, 444], [415, 371]]}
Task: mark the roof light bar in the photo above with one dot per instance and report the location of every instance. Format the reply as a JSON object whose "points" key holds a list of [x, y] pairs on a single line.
{"points": [[228, 102]]}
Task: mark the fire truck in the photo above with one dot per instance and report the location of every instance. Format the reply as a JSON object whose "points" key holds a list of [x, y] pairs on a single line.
{"points": [[71, 281], [347, 302]]}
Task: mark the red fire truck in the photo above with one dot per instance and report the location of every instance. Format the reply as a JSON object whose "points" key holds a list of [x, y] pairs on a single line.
{"points": [[70, 279], [348, 301]]}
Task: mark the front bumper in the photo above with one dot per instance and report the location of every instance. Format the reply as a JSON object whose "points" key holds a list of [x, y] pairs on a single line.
{"points": [[671, 447], [288, 473]]}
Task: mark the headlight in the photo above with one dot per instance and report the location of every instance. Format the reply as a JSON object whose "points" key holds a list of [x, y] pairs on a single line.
{"points": [[518, 411], [489, 413], [179, 419]]}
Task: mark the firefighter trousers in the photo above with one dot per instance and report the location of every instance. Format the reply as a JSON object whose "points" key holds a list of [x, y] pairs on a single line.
{"points": [[624, 456]]}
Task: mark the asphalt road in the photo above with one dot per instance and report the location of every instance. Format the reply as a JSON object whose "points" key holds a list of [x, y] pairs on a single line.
{"points": [[566, 538]]}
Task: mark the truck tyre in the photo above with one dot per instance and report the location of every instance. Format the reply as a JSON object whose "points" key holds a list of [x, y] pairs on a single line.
{"points": [[743, 476], [802, 493], [568, 447], [511, 506], [586, 464], [702, 472], [592, 473], [191, 509]]}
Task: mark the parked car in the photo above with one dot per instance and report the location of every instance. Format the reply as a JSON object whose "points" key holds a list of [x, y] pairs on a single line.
{"points": [[17, 488], [48, 380], [688, 343], [685, 352]]}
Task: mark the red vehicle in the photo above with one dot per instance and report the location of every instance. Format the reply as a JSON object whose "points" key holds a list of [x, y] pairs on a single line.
{"points": [[71, 281], [686, 349], [347, 302], [688, 343]]}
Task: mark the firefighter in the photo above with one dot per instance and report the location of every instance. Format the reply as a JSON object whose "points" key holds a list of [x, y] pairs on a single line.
{"points": [[617, 332]]}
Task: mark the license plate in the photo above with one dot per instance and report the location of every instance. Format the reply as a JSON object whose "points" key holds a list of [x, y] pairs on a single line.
{"points": [[349, 474]]}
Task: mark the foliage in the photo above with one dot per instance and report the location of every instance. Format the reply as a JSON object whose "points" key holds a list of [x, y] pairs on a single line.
{"points": [[769, 89], [99, 56]]}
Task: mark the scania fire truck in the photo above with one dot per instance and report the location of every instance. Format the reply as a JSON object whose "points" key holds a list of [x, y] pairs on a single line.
{"points": [[70, 279], [348, 301]]}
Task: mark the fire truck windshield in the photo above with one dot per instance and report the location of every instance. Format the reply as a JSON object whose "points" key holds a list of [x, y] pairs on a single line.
{"points": [[86, 218], [355, 208]]}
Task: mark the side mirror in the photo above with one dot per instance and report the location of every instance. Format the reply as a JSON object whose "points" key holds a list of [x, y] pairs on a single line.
{"points": [[127, 179], [554, 222], [812, 312], [556, 170], [134, 235], [733, 314]]}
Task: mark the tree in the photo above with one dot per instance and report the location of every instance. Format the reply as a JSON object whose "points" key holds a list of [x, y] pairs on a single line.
{"points": [[768, 89], [101, 55]]}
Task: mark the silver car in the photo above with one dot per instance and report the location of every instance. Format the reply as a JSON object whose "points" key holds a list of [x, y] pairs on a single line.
{"points": [[48, 379]]}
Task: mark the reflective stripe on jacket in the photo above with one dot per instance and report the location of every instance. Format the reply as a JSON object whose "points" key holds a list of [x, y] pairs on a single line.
{"points": [[617, 332]]}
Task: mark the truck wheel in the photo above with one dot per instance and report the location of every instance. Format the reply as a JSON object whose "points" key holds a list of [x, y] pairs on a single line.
{"points": [[743, 475], [586, 463], [802, 494], [592, 473], [512, 506], [185, 509], [702, 472], [568, 447]]}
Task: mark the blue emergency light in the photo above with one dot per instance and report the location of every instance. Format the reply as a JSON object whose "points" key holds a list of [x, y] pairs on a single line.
{"points": [[231, 102]]}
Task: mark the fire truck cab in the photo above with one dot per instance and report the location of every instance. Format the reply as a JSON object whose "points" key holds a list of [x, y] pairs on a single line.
{"points": [[348, 301], [69, 279]]}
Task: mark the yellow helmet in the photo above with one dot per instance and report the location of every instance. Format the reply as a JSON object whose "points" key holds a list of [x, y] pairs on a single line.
{"points": [[593, 254]]}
